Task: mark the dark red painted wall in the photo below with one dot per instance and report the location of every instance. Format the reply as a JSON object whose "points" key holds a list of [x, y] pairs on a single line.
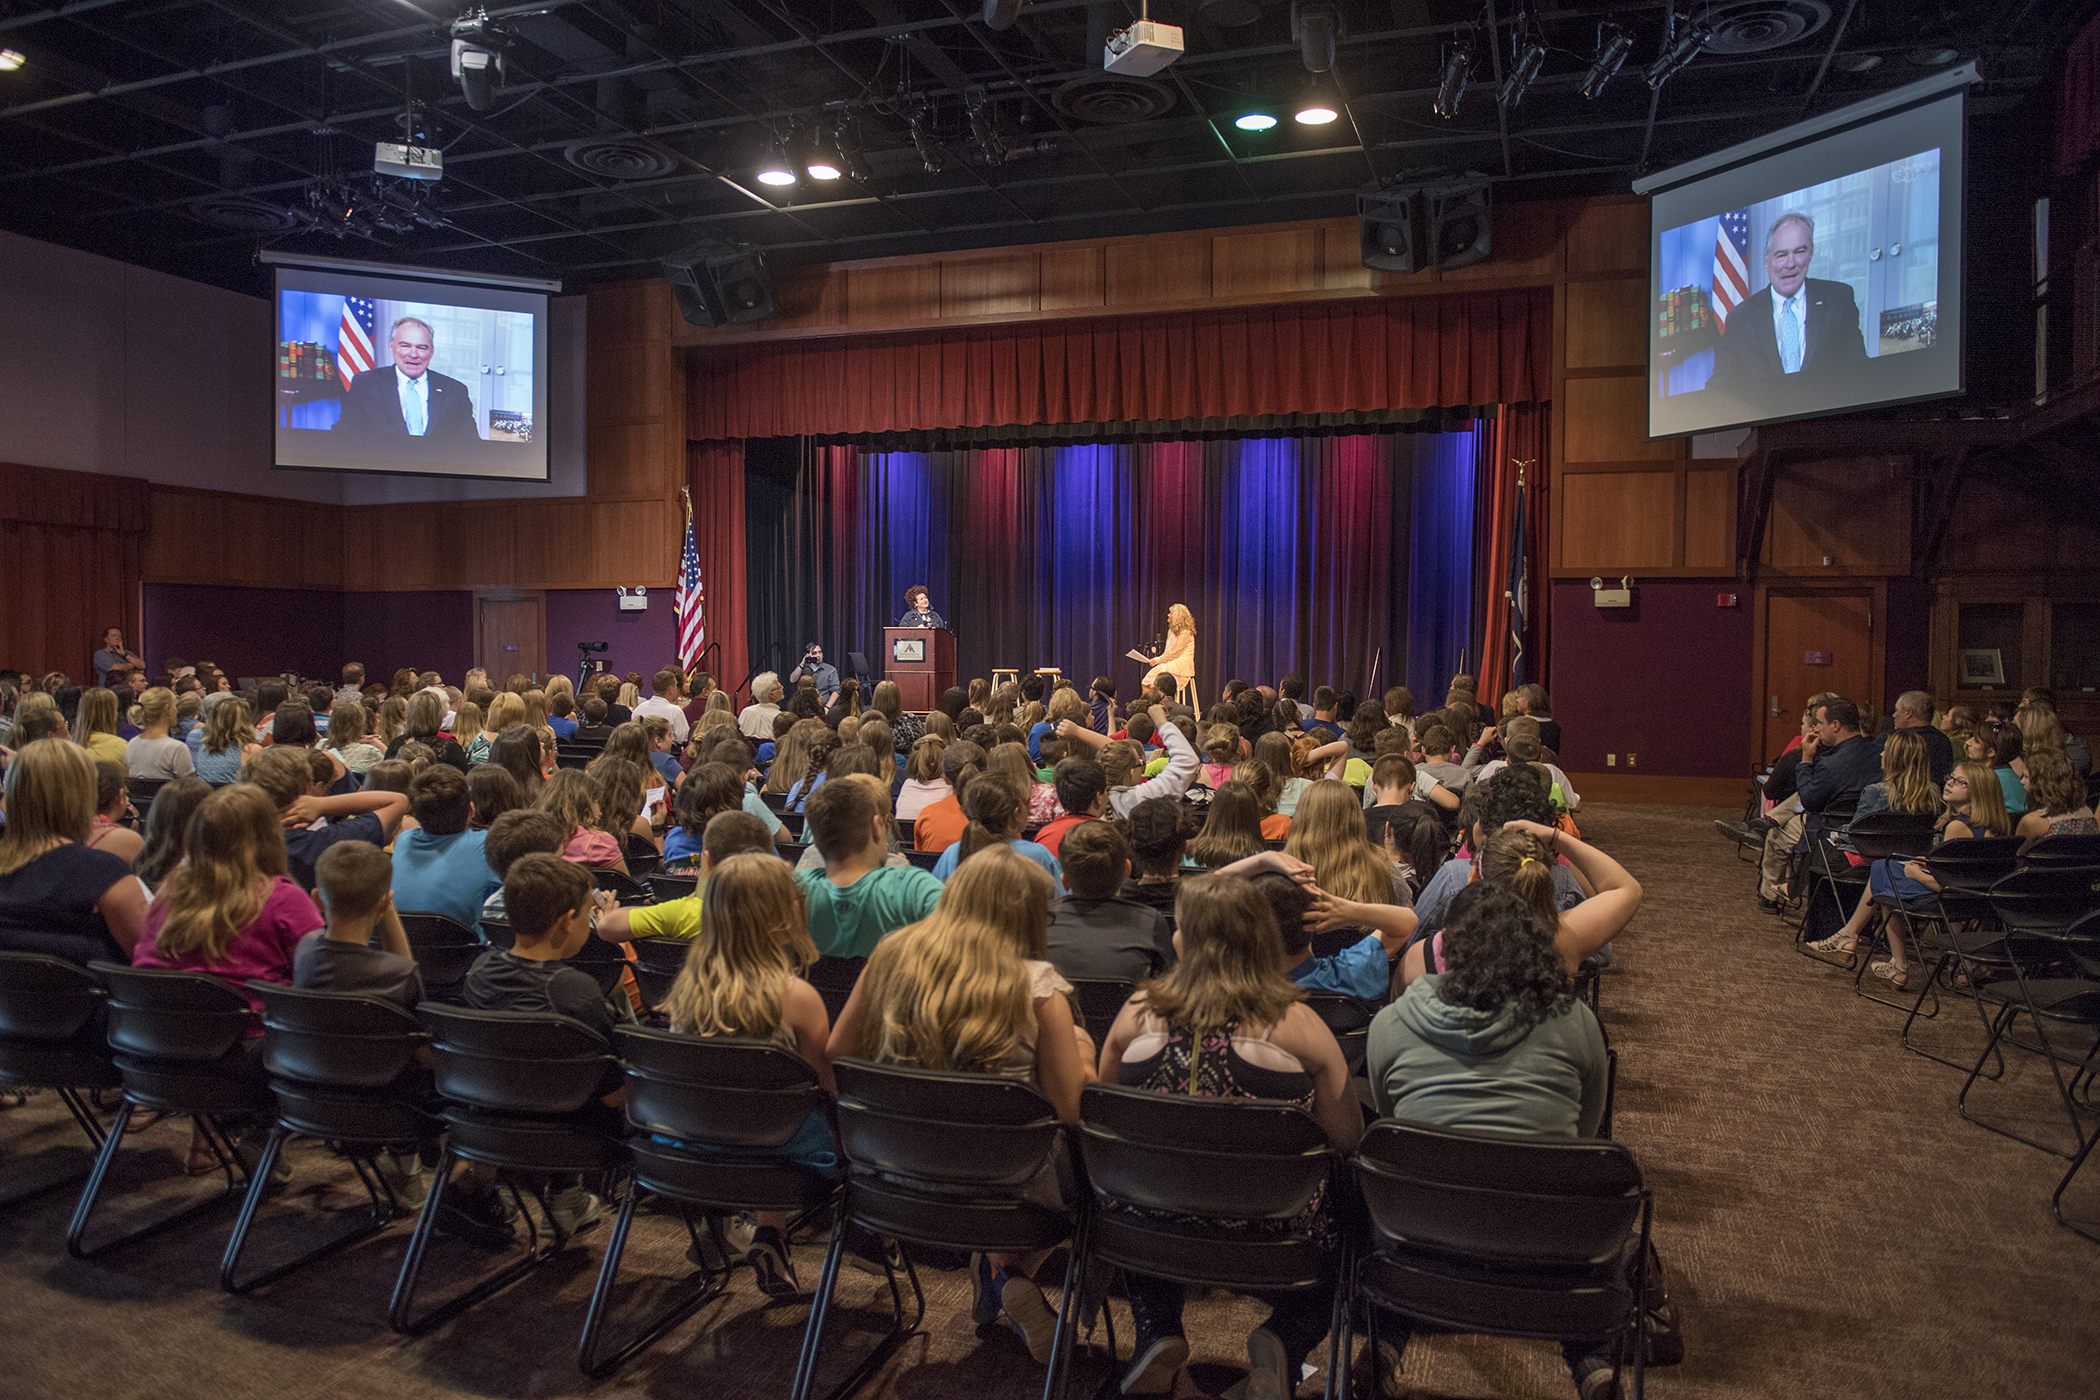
{"points": [[636, 641], [1667, 679], [262, 631]]}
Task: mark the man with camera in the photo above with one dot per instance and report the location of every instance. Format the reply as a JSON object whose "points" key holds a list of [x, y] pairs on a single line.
{"points": [[825, 676]]}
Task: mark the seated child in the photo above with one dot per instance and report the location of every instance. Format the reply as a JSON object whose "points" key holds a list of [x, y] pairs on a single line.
{"points": [[728, 834], [512, 836], [1094, 934], [1364, 968]]}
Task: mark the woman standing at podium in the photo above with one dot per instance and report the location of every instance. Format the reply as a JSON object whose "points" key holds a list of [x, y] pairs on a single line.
{"points": [[1178, 658], [918, 609]]}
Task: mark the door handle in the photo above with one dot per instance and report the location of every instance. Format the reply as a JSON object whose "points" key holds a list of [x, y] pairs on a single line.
{"points": [[1775, 707]]}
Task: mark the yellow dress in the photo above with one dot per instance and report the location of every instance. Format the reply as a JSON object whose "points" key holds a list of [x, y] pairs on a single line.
{"points": [[1177, 661]]}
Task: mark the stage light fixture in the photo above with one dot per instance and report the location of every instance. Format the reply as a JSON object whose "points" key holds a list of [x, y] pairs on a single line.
{"points": [[820, 157], [1531, 55], [1458, 67], [1001, 14], [929, 149], [1613, 44], [776, 168], [477, 57], [1682, 41], [10, 60], [1314, 24], [1254, 121], [1316, 105], [853, 162]]}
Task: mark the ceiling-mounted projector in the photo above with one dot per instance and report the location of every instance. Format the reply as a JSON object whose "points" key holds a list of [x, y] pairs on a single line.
{"points": [[1143, 49], [408, 162]]}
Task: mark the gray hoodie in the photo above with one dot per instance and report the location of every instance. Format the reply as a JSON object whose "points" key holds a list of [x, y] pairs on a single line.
{"points": [[1434, 1062]]}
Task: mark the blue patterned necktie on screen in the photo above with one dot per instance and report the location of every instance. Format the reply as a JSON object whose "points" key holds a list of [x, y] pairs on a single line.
{"points": [[1789, 337], [415, 407]]}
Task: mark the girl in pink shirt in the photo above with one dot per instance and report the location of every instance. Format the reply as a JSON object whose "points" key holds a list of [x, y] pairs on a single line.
{"points": [[572, 799]]}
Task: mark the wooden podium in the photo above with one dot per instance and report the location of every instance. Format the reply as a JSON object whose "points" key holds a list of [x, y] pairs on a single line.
{"points": [[921, 660]]}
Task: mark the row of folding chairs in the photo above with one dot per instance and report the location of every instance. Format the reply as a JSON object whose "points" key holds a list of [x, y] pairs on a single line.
{"points": [[1464, 1232], [2014, 928]]}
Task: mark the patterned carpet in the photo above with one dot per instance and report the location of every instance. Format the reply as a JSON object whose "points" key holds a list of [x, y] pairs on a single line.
{"points": [[1831, 1227]]}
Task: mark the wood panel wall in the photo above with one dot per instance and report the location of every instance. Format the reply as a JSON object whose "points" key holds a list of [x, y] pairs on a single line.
{"points": [[1622, 505], [626, 530], [1210, 269]]}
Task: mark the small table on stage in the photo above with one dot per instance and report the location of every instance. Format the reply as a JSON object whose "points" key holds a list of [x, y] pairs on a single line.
{"points": [[921, 660]]}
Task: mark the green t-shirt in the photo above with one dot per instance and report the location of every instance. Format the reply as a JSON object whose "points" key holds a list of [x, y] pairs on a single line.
{"points": [[849, 922], [674, 918]]}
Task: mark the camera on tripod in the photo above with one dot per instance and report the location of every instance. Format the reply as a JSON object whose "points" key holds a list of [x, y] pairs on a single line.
{"points": [[583, 662]]}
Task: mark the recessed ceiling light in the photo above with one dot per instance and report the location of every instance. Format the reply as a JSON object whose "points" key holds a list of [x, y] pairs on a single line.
{"points": [[1255, 121], [1316, 114], [10, 60]]}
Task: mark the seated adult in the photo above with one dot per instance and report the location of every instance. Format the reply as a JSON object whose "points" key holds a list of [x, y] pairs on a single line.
{"points": [[941, 824], [286, 776], [442, 867], [95, 726], [1226, 1022], [1497, 1043], [1913, 715], [156, 755], [424, 724], [58, 895], [857, 897], [1837, 763], [997, 807], [1094, 933], [2056, 801]]}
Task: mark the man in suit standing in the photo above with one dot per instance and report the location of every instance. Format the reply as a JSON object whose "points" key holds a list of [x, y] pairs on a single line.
{"points": [[1797, 323], [405, 399]]}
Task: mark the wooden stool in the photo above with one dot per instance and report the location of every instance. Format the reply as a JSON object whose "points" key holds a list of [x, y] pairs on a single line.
{"points": [[1050, 675], [1012, 675], [1185, 694]]}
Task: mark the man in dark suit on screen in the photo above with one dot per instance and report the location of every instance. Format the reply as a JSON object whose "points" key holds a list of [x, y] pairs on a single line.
{"points": [[405, 398], [1796, 324]]}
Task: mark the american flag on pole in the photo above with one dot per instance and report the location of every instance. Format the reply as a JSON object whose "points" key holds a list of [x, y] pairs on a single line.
{"points": [[1731, 265], [1518, 590], [691, 599], [353, 339]]}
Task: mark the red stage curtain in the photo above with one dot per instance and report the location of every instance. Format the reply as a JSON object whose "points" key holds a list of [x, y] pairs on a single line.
{"points": [[71, 545], [2078, 103], [1321, 357], [1518, 435], [715, 476]]}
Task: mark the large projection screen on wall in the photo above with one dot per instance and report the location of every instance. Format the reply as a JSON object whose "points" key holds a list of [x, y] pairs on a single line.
{"points": [[1819, 273], [389, 373]]}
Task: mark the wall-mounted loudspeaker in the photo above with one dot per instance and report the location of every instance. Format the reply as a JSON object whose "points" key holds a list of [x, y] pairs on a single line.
{"points": [[717, 286], [1423, 226]]}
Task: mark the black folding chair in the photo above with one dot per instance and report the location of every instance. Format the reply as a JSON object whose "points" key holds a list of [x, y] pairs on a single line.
{"points": [[1483, 1233], [498, 933], [1896, 837], [621, 886], [657, 963], [667, 886], [941, 1160], [1748, 834], [924, 860], [1814, 870], [2079, 849], [834, 978], [180, 1043], [726, 1102], [2041, 906], [444, 950], [2082, 942], [52, 1036], [1098, 1001], [642, 856], [512, 1082], [1175, 1177], [141, 792], [904, 829], [1960, 910], [796, 823], [1350, 1020], [572, 759], [343, 1068]]}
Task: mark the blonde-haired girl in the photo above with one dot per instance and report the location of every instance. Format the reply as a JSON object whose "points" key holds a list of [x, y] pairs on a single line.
{"points": [[966, 989], [1328, 833], [573, 798], [57, 894], [95, 726], [742, 977]]}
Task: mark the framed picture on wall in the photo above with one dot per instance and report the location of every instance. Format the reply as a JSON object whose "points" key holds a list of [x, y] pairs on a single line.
{"points": [[1982, 668]]}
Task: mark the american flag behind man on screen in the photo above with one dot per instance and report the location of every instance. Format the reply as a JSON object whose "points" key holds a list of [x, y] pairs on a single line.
{"points": [[353, 339], [1731, 265], [691, 600]]}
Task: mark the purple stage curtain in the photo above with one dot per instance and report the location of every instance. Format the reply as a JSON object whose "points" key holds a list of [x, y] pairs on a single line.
{"points": [[1292, 553]]}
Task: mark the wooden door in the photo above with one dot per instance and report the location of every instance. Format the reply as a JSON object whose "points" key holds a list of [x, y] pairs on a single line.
{"points": [[510, 637], [1814, 642]]}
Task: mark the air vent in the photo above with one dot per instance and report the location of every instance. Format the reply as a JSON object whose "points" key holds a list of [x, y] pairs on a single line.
{"points": [[1756, 26], [243, 214], [1113, 99], [620, 157]]}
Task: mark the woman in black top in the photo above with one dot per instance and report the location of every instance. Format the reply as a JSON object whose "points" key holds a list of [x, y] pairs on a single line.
{"points": [[57, 894], [426, 717]]}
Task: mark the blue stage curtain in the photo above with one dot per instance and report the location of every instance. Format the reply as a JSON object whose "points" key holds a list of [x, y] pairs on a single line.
{"points": [[1327, 556]]}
